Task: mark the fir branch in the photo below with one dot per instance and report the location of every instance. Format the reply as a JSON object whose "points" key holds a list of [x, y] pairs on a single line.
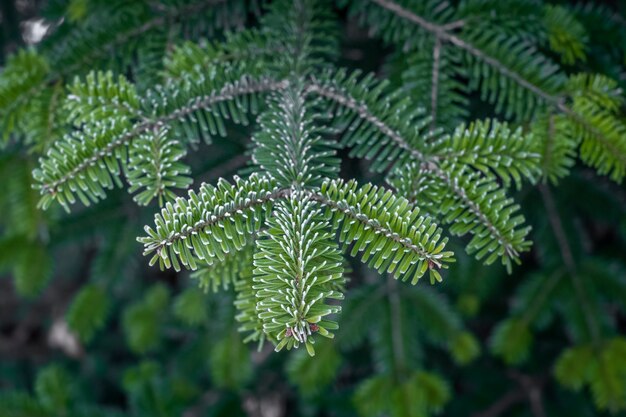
{"points": [[508, 246], [370, 223], [442, 33], [557, 101], [171, 14], [154, 165], [491, 147], [613, 148], [386, 229], [390, 234], [56, 75], [298, 267], [240, 48], [507, 238], [289, 145], [216, 219], [570, 264], [434, 94], [365, 113], [211, 223], [227, 93]]}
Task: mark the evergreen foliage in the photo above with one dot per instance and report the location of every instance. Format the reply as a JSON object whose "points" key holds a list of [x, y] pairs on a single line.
{"points": [[455, 148]]}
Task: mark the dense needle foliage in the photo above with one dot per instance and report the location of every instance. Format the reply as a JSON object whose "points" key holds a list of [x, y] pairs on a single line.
{"points": [[359, 207]]}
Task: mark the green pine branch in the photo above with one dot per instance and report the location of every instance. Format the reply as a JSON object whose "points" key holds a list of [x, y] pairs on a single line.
{"points": [[392, 141], [297, 266], [530, 81], [84, 163], [387, 230], [211, 223]]}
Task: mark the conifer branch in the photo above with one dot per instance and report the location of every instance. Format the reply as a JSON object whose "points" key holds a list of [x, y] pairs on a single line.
{"points": [[210, 224], [227, 93], [356, 216], [391, 235], [239, 48], [474, 208], [289, 145], [570, 263], [510, 240], [610, 145], [216, 219], [59, 74], [388, 231], [174, 13], [281, 235], [492, 148], [365, 113], [442, 33], [434, 94], [298, 267]]}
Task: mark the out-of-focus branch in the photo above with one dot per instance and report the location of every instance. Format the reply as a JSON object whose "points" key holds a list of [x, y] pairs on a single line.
{"points": [[529, 388], [568, 260]]}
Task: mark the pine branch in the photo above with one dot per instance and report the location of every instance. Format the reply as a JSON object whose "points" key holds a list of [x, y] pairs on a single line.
{"points": [[613, 146], [442, 33], [297, 268], [391, 235], [56, 180], [290, 146], [209, 224], [393, 145], [570, 263], [56, 75], [435, 83], [472, 203], [363, 111]]}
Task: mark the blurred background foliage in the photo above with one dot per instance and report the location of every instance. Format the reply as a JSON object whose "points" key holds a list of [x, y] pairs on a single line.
{"points": [[87, 329]]}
